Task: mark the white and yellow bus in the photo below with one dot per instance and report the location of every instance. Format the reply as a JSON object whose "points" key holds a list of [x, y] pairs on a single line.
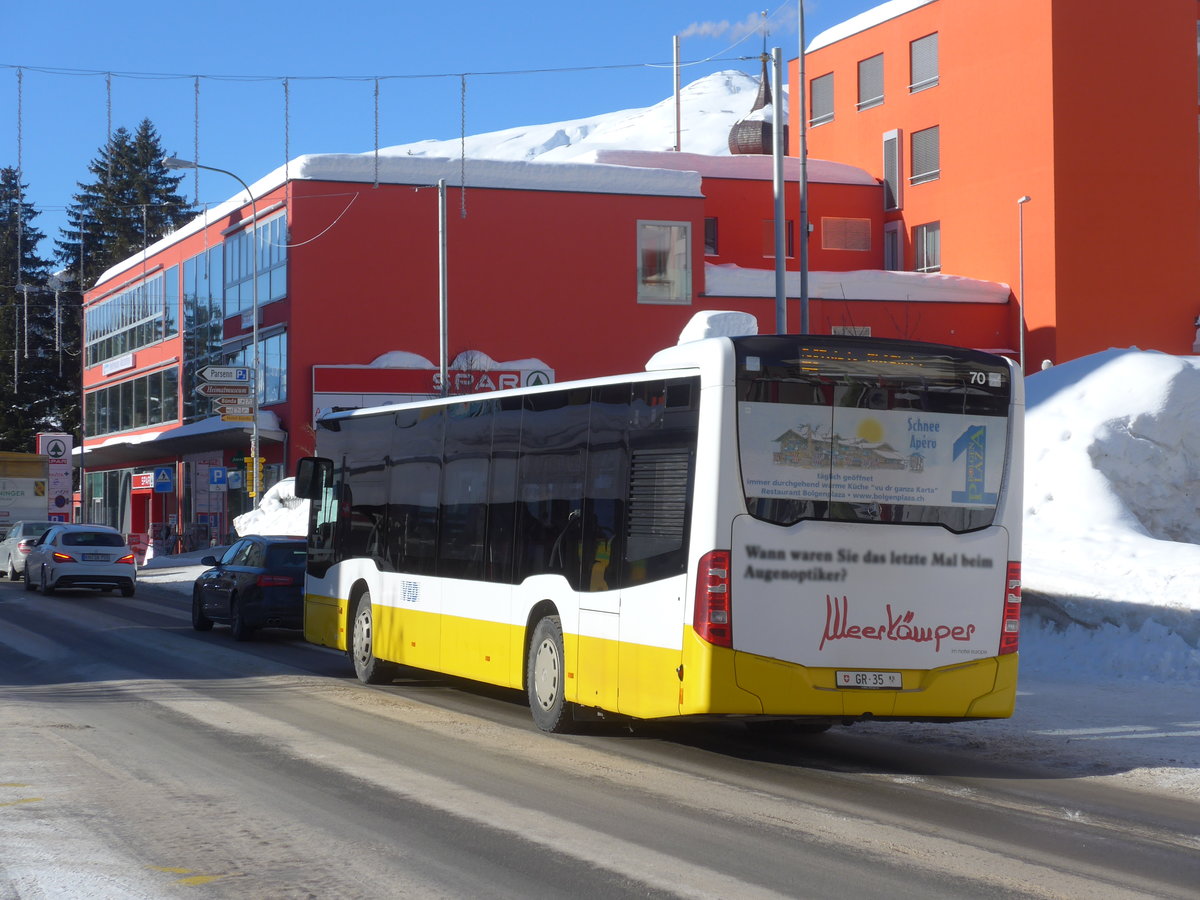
{"points": [[820, 529]]}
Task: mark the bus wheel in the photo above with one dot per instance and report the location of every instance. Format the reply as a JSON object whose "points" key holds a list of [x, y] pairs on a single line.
{"points": [[546, 680], [369, 668]]}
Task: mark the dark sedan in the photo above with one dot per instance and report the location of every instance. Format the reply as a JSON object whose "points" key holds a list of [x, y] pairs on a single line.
{"points": [[257, 583]]}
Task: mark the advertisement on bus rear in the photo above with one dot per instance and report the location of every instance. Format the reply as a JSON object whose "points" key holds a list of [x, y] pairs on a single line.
{"points": [[870, 456], [860, 596]]}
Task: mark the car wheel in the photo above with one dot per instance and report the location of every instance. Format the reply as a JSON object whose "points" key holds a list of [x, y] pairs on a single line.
{"points": [[47, 588], [241, 630], [13, 574], [127, 591], [546, 680], [200, 621], [29, 585], [369, 668]]}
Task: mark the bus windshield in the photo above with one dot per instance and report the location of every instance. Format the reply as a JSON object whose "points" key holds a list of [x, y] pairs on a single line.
{"points": [[888, 431]]}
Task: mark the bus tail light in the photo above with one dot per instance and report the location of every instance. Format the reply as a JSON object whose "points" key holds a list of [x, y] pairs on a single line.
{"points": [[1010, 629], [711, 617]]}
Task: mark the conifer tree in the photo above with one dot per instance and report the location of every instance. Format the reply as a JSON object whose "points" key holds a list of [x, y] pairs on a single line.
{"points": [[39, 381], [130, 204]]}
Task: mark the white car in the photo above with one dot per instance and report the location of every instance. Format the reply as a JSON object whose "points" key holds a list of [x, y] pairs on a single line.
{"points": [[15, 546], [81, 556]]}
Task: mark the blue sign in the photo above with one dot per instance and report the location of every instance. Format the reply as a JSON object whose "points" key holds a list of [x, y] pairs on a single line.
{"points": [[164, 479], [218, 478]]}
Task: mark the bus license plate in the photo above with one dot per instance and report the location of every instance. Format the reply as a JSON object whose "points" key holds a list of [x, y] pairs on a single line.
{"points": [[881, 680]]}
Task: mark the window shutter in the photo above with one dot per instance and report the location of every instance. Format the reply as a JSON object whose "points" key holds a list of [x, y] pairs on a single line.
{"points": [[870, 82], [892, 198], [924, 61], [822, 99], [845, 234], [926, 155]]}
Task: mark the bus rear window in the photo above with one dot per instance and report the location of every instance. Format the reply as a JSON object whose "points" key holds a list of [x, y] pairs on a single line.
{"points": [[840, 429]]}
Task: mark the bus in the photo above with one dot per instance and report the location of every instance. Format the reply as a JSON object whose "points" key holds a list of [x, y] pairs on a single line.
{"points": [[804, 528]]}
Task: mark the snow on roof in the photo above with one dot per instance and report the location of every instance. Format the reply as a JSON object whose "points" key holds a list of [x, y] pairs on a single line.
{"points": [[746, 166], [865, 284], [863, 21]]}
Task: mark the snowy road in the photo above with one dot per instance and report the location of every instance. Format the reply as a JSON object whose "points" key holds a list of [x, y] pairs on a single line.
{"points": [[139, 759]]}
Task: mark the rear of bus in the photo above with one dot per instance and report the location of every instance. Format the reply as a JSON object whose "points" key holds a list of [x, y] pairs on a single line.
{"points": [[865, 540]]}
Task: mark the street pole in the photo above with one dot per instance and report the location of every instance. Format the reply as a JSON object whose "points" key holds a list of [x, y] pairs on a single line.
{"points": [[1021, 201], [172, 162]]}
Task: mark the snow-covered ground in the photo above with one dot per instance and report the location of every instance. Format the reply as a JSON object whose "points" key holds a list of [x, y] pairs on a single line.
{"points": [[1110, 643]]}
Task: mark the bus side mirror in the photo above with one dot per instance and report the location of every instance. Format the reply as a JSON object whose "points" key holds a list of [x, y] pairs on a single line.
{"points": [[312, 474]]}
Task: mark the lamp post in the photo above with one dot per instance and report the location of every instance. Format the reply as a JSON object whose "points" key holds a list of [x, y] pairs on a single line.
{"points": [[172, 162], [1021, 201]]}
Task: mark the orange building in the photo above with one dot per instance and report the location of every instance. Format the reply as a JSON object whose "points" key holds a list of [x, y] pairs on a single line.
{"points": [[1088, 108]]}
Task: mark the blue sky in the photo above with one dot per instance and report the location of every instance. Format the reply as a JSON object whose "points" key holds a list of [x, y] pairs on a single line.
{"points": [[56, 103]]}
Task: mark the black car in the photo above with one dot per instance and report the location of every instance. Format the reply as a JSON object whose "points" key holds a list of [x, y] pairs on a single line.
{"points": [[257, 583]]}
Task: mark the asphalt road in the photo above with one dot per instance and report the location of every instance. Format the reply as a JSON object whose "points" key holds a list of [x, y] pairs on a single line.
{"points": [[141, 759]]}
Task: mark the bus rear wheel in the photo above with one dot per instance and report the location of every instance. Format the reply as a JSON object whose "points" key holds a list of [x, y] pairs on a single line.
{"points": [[545, 678], [369, 668]]}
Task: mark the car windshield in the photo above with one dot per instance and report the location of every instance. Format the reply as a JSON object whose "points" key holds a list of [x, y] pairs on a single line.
{"points": [[92, 539], [283, 556]]}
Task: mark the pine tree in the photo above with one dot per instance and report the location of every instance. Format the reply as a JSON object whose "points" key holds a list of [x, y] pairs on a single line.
{"points": [[39, 383], [132, 203]]}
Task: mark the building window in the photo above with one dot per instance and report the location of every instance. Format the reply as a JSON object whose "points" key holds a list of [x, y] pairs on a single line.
{"points": [[892, 165], [272, 359], [845, 234], [927, 247], [926, 156], [664, 269], [136, 317], [870, 82], [203, 308], [150, 400], [270, 238], [710, 236], [893, 247], [923, 55], [821, 100], [768, 242]]}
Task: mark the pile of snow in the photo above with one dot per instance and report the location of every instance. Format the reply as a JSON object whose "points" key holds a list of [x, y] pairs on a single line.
{"points": [[1112, 479], [279, 512], [710, 107]]}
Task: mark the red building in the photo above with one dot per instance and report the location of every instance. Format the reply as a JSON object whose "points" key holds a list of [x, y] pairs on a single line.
{"points": [[1049, 142], [553, 271]]}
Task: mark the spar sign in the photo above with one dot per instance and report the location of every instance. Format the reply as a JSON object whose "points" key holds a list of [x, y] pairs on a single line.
{"points": [[57, 449]]}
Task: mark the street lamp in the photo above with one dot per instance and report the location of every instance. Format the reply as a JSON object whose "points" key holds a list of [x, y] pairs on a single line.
{"points": [[1021, 201], [172, 162]]}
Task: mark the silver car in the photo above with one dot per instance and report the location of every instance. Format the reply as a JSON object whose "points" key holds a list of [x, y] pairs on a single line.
{"points": [[81, 556], [15, 546]]}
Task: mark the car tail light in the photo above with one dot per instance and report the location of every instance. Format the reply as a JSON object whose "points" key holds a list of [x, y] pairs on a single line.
{"points": [[23, 546], [711, 617], [275, 580], [1010, 629], [63, 557], [127, 558]]}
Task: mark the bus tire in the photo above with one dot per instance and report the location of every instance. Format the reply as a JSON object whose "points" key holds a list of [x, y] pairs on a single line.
{"points": [[545, 678], [369, 668]]}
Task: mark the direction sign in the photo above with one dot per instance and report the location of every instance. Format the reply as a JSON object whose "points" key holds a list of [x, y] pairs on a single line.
{"points": [[233, 418], [224, 390], [227, 374], [228, 410]]}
